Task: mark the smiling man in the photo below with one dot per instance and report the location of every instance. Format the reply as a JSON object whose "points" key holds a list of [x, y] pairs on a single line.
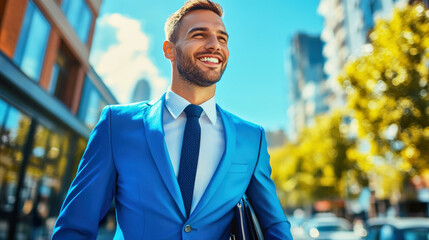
{"points": [[178, 166]]}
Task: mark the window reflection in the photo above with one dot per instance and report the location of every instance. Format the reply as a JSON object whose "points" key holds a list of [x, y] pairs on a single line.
{"points": [[13, 132], [43, 181], [62, 80], [80, 149], [77, 156], [41, 192], [3, 109], [32, 42], [54, 78], [80, 17], [91, 104]]}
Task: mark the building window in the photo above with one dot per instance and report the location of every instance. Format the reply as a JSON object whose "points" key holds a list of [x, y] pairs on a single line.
{"points": [[61, 74], [54, 78], [33, 38], [41, 198], [79, 16], [13, 134], [91, 104]]}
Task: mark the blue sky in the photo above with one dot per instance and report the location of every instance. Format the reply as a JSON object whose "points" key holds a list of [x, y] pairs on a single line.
{"points": [[128, 41]]}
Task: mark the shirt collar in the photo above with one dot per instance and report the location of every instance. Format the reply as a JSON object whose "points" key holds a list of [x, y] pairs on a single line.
{"points": [[176, 104]]}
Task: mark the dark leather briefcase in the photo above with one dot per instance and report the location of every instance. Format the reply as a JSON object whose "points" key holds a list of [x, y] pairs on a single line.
{"points": [[245, 225]]}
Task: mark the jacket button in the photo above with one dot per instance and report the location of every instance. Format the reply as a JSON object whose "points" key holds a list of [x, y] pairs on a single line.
{"points": [[188, 228]]}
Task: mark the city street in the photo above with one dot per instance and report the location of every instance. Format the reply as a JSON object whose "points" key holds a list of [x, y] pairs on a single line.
{"points": [[117, 107]]}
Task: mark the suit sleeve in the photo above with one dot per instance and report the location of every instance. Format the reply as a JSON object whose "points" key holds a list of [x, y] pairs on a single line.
{"points": [[262, 194], [91, 192]]}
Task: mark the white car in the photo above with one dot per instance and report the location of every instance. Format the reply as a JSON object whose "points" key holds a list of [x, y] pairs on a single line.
{"points": [[329, 227]]}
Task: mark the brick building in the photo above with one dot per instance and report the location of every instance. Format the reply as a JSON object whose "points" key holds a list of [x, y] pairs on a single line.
{"points": [[50, 99]]}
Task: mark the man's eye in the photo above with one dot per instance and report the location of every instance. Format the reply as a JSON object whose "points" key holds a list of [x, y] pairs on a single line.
{"points": [[223, 40], [198, 35]]}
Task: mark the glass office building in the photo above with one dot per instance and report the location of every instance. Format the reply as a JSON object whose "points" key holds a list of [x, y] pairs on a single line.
{"points": [[308, 91], [50, 99]]}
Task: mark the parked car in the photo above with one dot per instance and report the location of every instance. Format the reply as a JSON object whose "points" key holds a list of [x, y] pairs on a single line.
{"points": [[398, 229], [329, 227]]}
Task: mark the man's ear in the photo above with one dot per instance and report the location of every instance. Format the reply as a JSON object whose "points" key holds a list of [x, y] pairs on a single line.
{"points": [[169, 50]]}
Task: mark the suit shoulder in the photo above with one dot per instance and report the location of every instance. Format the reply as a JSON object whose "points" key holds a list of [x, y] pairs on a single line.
{"points": [[242, 123], [128, 109]]}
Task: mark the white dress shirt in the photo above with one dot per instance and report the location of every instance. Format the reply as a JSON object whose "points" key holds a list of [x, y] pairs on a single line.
{"points": [[212, 143]]}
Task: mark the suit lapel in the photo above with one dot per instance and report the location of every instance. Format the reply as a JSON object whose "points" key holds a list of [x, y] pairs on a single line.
{"points": [[224, 163], [155, 139]]}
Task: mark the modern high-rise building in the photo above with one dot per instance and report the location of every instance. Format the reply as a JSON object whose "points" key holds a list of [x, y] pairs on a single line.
{"points": [[50, 99], [308, 91], [142, 91], [346, 33]]}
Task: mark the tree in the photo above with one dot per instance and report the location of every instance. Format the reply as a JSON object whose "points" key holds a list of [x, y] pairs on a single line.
{"points": [[388, 95], [314, 167]]}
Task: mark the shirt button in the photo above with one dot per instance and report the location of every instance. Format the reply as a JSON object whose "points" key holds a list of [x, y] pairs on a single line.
{"points": [[188, 228]]}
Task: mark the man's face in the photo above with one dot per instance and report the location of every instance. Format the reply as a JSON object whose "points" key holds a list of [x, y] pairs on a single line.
{"points": [[201, 48]]}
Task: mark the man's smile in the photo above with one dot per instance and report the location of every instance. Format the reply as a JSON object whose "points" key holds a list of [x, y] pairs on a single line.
{"points": [[210, 60]]}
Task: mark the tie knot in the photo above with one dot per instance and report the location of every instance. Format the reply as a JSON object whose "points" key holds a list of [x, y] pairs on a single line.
{"points": [[193, 111]]}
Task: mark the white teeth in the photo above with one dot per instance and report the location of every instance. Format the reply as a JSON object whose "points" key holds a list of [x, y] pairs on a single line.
{"points": [[210, 59]]}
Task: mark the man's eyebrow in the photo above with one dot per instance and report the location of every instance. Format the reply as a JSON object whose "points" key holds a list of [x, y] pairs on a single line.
{"points": [[202, 29], [224, 33]]}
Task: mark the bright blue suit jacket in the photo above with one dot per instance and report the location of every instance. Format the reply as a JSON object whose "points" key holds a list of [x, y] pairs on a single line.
{"points": [[127, 159]]}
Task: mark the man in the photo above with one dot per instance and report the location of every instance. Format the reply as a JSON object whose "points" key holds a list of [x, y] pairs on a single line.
{"points": [[176, 167]]}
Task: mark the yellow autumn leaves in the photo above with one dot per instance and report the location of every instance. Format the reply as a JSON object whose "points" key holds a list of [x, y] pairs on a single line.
{"points": [[381, 138]]}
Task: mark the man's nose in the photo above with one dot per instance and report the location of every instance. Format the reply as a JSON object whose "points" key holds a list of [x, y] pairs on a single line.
{"points": [[213, 43]]}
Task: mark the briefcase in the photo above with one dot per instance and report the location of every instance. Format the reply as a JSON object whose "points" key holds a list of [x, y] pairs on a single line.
{"points": [[245, 225]]}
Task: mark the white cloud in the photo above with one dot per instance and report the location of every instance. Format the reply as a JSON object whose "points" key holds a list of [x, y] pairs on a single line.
{"points": [[126, 60]]}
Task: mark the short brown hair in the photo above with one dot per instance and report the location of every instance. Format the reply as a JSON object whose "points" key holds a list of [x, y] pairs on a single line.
{"points": [[173, 22]]}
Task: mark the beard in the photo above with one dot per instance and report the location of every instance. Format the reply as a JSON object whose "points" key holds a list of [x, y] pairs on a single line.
{"points": [[190, 72]]}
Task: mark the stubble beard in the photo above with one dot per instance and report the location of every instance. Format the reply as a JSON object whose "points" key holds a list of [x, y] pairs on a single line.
{"points": [[189, 71]]}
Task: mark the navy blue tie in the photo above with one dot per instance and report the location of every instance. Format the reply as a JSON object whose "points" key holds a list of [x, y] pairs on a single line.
{"points": [[189, 154]]}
